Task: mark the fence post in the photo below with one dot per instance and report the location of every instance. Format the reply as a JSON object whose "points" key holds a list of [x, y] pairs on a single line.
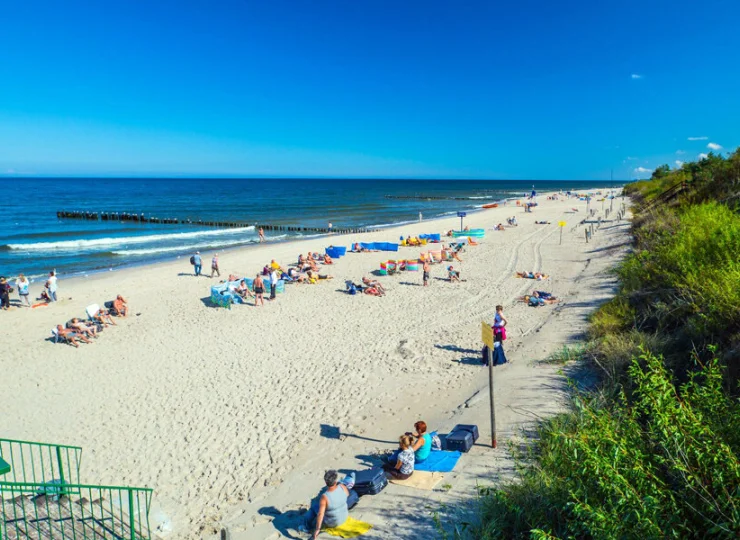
{"points": [[131, 519], [61, 470]]}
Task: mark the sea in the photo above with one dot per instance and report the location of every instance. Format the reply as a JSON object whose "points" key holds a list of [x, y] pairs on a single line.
{"points": [[33, 240]]}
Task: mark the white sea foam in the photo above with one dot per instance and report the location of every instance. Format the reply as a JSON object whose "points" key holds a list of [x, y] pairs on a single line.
{"points": [[98, 243]]}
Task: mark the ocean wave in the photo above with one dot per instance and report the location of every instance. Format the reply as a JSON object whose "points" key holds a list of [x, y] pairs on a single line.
{"points": [[122, 241], [189, 248]]}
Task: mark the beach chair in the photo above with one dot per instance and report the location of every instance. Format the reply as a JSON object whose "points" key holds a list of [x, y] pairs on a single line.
{"points": [[58, 338]]}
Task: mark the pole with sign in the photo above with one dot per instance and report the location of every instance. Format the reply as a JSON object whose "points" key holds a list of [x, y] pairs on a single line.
{"points": [[561, 224], [487, 337], [461, 215]]}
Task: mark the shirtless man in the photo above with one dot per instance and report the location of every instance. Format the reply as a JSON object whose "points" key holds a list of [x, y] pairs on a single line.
{"points": [[79, 325], [70, 335], [120, 307], [426, 273]]}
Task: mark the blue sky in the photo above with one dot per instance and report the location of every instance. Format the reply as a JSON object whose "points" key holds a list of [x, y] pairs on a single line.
{"points": [[519, 90]]}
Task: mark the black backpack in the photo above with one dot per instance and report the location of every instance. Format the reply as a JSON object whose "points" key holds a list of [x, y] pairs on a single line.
{"points": [[192, 260]]}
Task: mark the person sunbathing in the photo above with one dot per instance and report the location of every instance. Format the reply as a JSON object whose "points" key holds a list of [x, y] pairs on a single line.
{"points": [[541, 222], [373, 283], [102, 316], [539, 276], [120, 307], [314, 276], [327, 259], [70, 335], [79, 325], [301, 259], [372, 291], [500, 227], [453, 274], [536, 301]]}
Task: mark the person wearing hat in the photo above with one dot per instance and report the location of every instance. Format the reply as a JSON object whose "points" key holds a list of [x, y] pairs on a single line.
{"points": [[4, 293]]}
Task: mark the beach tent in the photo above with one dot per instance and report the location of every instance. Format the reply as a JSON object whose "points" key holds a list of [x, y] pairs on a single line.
{"points": [[336, 251], [380, 246]]}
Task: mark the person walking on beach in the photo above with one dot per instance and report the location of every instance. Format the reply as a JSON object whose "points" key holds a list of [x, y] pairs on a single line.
{"points": [[197, 263], [259, 291], [22, 285], [51, 285], [214, 265], [261, 232], [273, 283], [4, 294], [426, 273]]}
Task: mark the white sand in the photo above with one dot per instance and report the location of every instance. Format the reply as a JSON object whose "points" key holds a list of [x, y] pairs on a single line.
{"points": [[221, 410]]}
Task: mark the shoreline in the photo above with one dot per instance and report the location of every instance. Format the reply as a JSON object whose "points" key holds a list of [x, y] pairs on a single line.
{"points": [[222, 407], [163, 260]]}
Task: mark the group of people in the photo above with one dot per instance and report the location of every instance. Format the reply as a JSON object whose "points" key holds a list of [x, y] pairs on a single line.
{"points": [[22, 285], [77, 329], [371, 287], [330, 508], [197, 261]]}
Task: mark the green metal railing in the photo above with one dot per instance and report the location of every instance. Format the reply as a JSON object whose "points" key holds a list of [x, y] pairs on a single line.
{"points": [[32, 510], [41, 463]]}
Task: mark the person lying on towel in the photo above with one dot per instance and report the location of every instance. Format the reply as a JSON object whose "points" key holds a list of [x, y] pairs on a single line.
{"points": [[331, 507]]}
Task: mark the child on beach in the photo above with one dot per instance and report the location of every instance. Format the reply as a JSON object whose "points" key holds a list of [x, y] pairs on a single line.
{"points": [[426, 273]]}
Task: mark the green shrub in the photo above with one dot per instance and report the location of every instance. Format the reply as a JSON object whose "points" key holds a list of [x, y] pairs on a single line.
{"points": [[653, 465]]}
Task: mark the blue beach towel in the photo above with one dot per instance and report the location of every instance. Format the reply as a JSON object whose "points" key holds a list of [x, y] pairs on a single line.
{"points": [[439, 461]]}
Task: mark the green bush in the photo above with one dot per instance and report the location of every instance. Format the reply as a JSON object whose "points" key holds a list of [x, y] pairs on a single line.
{"points": [[656, 464]]}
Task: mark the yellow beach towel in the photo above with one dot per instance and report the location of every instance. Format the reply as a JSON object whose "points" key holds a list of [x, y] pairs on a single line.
{"points": [[352, 528], [420, 480]]}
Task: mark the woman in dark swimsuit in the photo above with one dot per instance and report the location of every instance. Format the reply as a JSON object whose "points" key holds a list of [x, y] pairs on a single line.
{"points": [[259, 290]]}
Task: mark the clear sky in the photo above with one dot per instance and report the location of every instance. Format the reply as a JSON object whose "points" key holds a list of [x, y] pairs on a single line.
{"points": [[466, 89]]}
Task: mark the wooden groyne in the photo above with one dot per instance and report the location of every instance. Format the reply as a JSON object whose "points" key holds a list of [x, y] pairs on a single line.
{"points": [[142, 218]]}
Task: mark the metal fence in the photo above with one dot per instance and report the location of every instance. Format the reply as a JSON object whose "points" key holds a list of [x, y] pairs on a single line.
{"points": [[32, 510], [41, 463]]}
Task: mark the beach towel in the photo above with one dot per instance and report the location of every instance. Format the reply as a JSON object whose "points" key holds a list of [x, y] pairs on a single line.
{"points": [[352, 528], [439, 461], [420, 480]]}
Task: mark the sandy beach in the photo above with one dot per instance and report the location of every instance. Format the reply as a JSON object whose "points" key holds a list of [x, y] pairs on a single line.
{"points": [[227, 413]]}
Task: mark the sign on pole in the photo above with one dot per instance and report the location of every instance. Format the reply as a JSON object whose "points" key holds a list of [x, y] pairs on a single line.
{"points": [[486, 334], [461, 215], [487, 337], [561, 224]]}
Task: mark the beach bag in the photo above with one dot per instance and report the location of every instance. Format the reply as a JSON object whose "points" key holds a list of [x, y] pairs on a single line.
{"points": [[436, 441], [192, 260]]}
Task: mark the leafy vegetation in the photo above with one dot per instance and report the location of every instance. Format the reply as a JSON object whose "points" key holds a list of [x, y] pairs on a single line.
{"points": [[655, 451]]}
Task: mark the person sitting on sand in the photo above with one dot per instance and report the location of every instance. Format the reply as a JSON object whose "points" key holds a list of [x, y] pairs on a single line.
{"points": [[422, 446], [327, 259], [70, 335], [403, 467], [453, 274], [512, 221], [301, 259], [367, 282], [499, 227], [331, 507], [79, 325], [242, 290], [120, 307]]}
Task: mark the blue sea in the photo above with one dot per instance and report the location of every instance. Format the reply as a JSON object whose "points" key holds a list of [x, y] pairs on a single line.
{"points": [[34, 241]]}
